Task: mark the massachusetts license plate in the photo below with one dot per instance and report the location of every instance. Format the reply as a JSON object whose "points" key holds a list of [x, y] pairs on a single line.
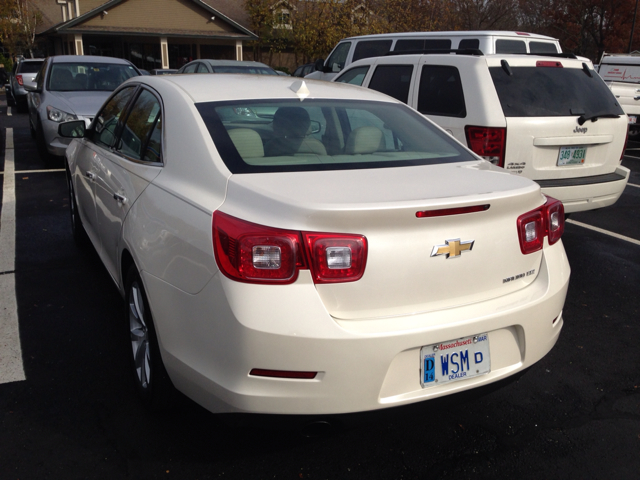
{"points": [[454, 360], [633, 119], [572, 155]]}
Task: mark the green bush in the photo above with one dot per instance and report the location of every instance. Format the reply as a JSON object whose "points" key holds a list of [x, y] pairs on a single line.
{"points": [[7, 62]]}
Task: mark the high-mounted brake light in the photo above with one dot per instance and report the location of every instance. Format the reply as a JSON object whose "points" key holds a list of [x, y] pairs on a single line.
{"points": [[545, 221], [547, 63], [488, 142], [19, 80], [252, 253], [444, 212]]}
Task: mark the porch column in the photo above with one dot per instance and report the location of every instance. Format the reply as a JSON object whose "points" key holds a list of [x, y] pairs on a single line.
{"points": [[164, 52], [79, 50], [238, 49]]}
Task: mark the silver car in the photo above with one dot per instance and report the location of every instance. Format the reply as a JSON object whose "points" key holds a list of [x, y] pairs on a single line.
{"points": [[21, 77], [70, 87]]}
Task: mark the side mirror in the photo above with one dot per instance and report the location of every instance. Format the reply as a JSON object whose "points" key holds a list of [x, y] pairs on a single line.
{"points": [[72, 129], [31, 88], [319, 65], [315, 127]]}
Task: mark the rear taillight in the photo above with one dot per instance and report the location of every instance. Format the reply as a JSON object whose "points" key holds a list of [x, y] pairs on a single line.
{"points": [[546, 220], [19, 80], [488, 142], [252, 253]]}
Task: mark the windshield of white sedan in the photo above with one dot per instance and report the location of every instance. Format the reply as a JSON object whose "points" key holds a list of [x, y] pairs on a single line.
{"points": [[290, 135], [80, 77]]}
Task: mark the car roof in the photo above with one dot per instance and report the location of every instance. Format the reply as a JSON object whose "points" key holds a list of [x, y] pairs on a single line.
{"points": [[492, 59], [230, 86], [621, 58], [226, 63], [469, 33], [88, 59]]}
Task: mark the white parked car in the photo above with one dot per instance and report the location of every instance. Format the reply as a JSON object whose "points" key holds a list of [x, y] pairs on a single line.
{"points": [[621, 72], [548, 118], [344, 255]]}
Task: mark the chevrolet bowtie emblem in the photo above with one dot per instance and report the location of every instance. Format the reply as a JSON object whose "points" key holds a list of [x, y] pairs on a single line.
{"points": [[452, 248]]}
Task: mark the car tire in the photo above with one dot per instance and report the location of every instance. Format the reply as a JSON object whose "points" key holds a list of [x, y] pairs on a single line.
{"points": [[150, 376], [32, 130], [10, 101], [79, 233], [21, 107]]}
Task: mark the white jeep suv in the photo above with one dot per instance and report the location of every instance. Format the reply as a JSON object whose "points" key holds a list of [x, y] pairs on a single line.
{"points": [[549, 118]]}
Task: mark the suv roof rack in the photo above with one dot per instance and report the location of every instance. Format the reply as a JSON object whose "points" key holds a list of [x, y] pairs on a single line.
{"points": [[431, 51]]}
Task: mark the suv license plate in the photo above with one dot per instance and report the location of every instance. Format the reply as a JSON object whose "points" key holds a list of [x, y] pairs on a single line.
{"points": [[454, 360], [632, 119], [572, 155]]}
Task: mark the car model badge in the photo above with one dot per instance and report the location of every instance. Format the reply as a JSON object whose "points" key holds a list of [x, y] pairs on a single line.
{"points": [[452, 248]]}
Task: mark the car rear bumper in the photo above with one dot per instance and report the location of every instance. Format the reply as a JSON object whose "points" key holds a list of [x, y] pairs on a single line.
{"points": [[587, 193], [210, 342]]}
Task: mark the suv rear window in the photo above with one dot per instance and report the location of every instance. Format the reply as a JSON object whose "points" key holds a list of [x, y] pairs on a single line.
{"points": [[29, 67], [542, 47], [511, 46], [552, 92]]}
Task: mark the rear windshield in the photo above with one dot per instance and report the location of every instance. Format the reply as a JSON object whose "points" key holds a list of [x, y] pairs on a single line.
{"points": [[79, 77], [30, 67], [552, 92], [620, 73], [287, 135]]}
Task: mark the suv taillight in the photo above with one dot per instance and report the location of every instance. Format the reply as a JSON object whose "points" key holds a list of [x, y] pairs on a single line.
{"points": [[19, 80], [252, 253], [546, 220], [488, 142]]}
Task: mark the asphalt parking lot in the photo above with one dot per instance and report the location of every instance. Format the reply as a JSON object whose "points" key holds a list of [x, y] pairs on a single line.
{"points": [[74, 414]]}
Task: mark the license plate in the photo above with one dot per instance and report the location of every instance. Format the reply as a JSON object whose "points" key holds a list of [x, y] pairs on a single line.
{"points": [[446, 362], [572, 155], [632, 119]]}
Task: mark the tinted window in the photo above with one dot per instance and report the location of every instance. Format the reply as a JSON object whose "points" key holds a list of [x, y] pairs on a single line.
{"points": [[29, 67], [41, 75], [371, 48], [107, 120], [138, 140], [354, 76], [339, 57], [542, 47], [256, 70], [469, 43], [202, 68], [325, 135], [191, 68], [510, 46], [77, 77], [441, 92], [547, 92], [423, 44], [394, 80]]}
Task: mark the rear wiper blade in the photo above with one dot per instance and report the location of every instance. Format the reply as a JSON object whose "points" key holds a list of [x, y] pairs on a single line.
{"points": [[595, 116]]}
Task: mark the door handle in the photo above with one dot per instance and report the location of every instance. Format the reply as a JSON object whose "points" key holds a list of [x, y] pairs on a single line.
{"points": [[636, 98], [120, 198], [90, 175]]}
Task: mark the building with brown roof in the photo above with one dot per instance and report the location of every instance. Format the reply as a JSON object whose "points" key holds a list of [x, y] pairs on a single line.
{"points": [[149, 33]]}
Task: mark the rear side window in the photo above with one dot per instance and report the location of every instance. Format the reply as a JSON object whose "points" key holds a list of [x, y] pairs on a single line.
{"points": [[394, 80], [423, 44], [142, 132], [469, 43], [441, 92], [354, 76], [552, 92], [510, 46], [371, 48], [542, 47]]}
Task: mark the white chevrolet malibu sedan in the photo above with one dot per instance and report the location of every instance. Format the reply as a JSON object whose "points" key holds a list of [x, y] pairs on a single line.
{"points": [[299, 247]]}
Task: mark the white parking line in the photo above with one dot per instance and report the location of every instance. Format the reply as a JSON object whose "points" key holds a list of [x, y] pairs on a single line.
{"points": [[11, 368], [9, 111], [632, 185], [606, 232]]}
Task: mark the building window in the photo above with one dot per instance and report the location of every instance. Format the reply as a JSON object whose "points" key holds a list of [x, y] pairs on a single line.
{"points": [[282, 15]]}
